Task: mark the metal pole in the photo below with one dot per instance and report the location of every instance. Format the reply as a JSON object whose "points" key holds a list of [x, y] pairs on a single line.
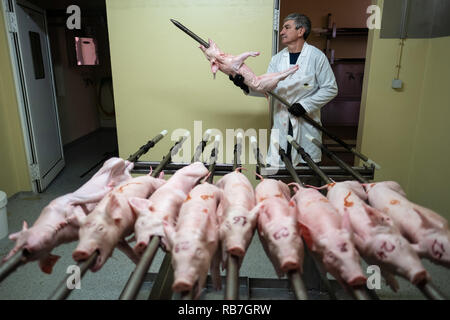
{"points": [[199, 150], [297, 285], [357, 292], [18, 259], [336, 159], [232, 286], [161, 287], [430, 291], [325, 131], [136, 279], [144, 149], [62, 291]]}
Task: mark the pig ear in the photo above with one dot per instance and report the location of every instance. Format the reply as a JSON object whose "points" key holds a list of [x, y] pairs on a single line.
{"points": [[139, 205], [430, 219], [359, 241], [161, 175], [346, 223], [377, 217], [169, 230], [113, 208], [256, 210], [214, 67], [24, 226]]}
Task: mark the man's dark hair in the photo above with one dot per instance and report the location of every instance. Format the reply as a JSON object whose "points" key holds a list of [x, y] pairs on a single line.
{"points": [[300, 20]]}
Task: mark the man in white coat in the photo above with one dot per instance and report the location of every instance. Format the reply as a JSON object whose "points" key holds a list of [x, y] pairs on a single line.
{"points": [[307, 90]]}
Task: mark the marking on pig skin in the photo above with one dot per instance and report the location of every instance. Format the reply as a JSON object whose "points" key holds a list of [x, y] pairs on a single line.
{"points": [[262, 199], [306, 235], [128, 184], [205, 210], [282, 233], [238, 219], [386, 247], [394, 202], [182, 246], [188, 198], [348, 203], [206, 196], [381, 255], [291, 203], [343, 247], [437, 253], [279, 195]]}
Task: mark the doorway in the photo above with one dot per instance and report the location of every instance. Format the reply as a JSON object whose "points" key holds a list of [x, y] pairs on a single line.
{"points": [[78, 101], [338, 29]]}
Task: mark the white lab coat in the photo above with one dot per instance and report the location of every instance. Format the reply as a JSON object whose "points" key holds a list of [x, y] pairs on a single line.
{"points": [[313, 86]]}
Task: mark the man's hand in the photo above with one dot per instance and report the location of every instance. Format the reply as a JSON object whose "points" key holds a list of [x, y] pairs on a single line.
{"points": [[239, 81], [297, 109]]}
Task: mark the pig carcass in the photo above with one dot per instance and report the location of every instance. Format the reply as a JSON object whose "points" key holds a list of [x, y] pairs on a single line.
{"points": [[277, 226], [427, 231], [58, 223], [376, 237], [194, 240], [328, 235], [164, 204], [232, 65], [237, 226], [112, 220]]}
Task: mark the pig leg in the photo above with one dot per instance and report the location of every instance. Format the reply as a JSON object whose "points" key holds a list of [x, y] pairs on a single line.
{"points": [[269, 81], [239, 60]]}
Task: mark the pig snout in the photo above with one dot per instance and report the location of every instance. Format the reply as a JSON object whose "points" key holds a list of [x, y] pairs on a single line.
{"points": [[182, 285], [418, 276], [290, 263]]}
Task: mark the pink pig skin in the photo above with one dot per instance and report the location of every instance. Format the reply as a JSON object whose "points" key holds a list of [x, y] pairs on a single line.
{"points": [[328, 235], [164, 204], [112, 220], [237, 226], [376, 237], [57, 223], [232, 65], [277, 226], [195, 239], [427, 231]]}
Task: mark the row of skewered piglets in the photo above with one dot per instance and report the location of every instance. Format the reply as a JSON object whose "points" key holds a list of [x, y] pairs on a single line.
{"points": [[201, 223]]}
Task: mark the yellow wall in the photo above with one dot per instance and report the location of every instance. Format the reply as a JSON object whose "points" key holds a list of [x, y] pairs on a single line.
{"points": [[14, 175], [405, 130], [163, 81]]}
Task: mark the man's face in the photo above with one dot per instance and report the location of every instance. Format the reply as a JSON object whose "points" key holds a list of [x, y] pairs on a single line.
{"points": [[289, 34]]}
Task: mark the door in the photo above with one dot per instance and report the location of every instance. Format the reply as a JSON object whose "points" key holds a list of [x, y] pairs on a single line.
{"points": [[39, 105]]}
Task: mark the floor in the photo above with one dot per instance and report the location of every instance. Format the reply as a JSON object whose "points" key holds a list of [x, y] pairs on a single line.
{"points": [[28, 282]]}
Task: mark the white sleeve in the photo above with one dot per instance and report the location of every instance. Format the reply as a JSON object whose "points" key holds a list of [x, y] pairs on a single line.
{"points": [[327, 86]]}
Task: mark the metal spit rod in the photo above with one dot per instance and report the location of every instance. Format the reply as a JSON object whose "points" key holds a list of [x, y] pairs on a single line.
{"points": [[322, 274], [201, 146], [144, 149], [136, 279], [189, 295], [20, 257], [62, 291], [328, 133], [428, 289], [232, 277], [358, 293], [286, 103]]}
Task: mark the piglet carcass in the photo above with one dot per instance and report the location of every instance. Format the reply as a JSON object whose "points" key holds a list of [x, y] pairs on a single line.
{"points": [[232, 65], [112, 220], [328, 235], [376, 237], [237, 226], [277, 226], [427, 231], [164, 204], [194, 240], [58, 223]]}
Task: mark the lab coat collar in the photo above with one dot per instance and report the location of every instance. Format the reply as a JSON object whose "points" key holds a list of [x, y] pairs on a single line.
{"points": [[303, 54]]}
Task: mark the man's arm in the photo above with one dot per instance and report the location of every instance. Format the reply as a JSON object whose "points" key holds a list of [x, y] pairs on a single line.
{"points": [[327, 87]]}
